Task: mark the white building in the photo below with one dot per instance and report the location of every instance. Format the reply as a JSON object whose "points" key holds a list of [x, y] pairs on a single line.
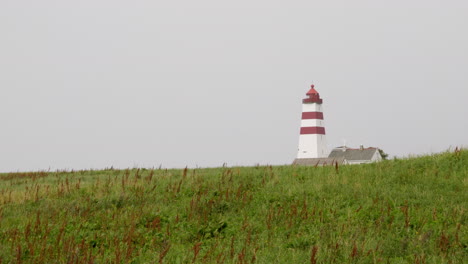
{"points": [[312, 141], [356, 156]]}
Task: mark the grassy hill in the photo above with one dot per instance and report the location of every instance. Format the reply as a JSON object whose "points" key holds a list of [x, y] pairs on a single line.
{"points": [[398, 211]]}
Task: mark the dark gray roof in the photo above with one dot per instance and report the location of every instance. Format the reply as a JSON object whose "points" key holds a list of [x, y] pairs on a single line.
{"points": [[319, 161], [353, 154]]}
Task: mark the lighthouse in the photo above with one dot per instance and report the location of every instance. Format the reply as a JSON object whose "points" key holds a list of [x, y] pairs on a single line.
{"points": [[312, 142]]}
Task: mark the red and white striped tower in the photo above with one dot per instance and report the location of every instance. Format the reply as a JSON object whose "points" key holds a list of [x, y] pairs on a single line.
{"points": [[312, 142]]}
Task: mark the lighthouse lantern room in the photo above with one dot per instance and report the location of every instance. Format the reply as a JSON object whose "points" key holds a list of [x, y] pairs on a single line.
{"points": [[312, 141]]}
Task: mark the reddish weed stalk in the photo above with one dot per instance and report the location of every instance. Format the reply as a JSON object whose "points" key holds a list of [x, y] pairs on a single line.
{"points": [[313, 255]]}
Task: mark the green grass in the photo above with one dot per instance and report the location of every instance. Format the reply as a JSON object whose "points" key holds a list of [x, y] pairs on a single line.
{"points": [[397, 211]]}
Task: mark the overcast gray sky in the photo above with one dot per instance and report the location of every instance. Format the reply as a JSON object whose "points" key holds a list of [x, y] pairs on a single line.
{"points": [[100, 83]]}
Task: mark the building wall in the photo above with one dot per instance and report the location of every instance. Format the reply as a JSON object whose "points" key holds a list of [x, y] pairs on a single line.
{"points": [[352, 162], [377, 157], [312, 145], [312, 122], [312, 107]]}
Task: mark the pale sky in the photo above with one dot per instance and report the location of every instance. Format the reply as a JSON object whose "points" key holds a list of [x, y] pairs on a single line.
{"points": [[100, 83]]}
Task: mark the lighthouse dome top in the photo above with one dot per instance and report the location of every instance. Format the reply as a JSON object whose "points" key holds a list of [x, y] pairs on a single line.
{"points": [[312, 90], [313, 96]]}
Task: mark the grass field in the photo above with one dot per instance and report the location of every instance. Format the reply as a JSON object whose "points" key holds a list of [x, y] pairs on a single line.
{"points": [[398, 211]]}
